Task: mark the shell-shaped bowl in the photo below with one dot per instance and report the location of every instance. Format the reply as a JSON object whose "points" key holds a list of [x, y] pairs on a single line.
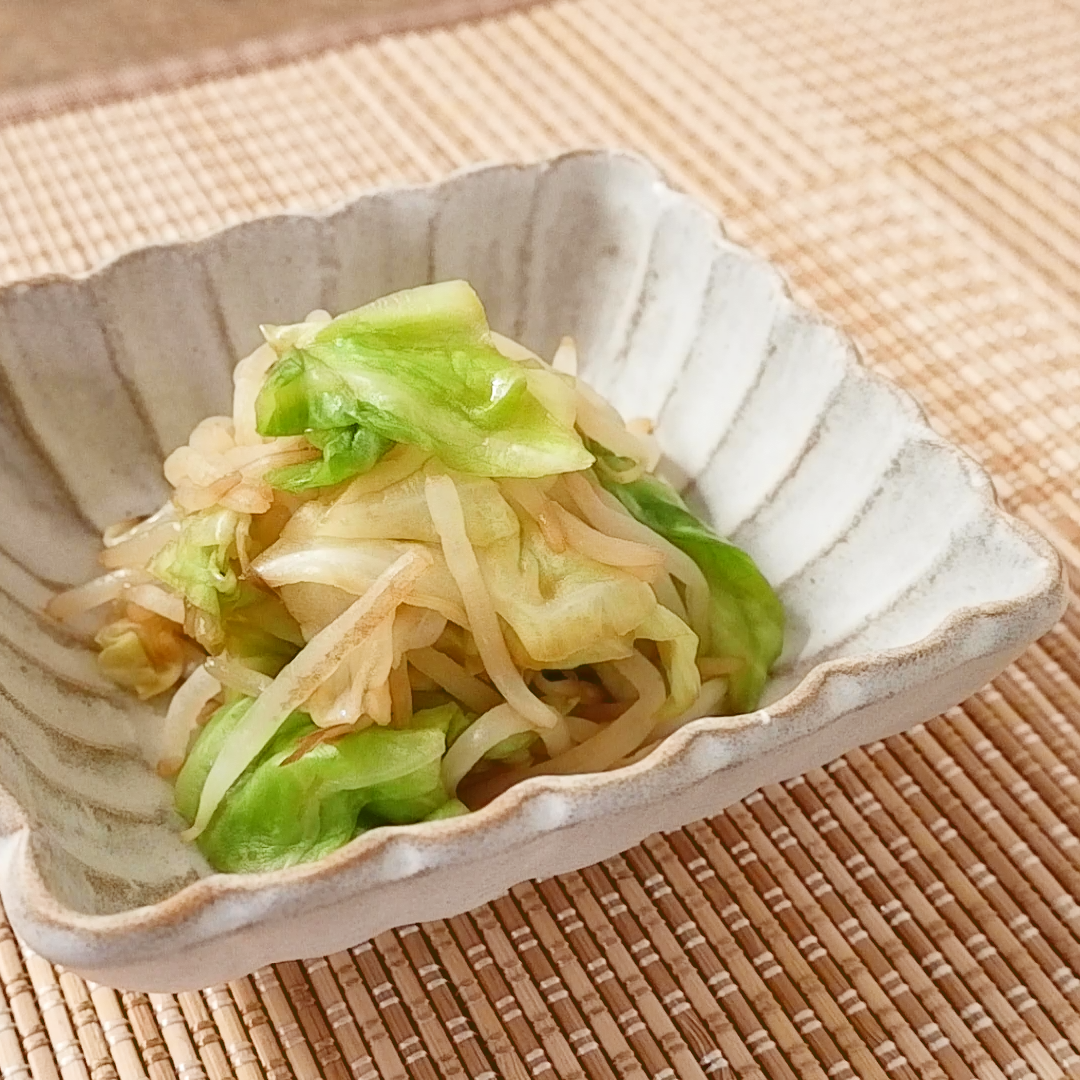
{"points": [[906, 586]]}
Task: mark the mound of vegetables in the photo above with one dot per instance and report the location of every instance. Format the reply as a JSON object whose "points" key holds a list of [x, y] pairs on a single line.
{"points": [[416, 565]]}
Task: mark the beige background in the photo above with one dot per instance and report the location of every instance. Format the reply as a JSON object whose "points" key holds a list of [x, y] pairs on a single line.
{"points": [[44, 41]]}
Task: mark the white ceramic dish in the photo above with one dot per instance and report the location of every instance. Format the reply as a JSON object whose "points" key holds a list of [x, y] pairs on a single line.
{"points": [[907, 588]]}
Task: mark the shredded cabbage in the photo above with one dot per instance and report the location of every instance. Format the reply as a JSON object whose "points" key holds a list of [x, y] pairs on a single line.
{"points": [[197, 565], [286, 809], [746, 620], [142, 652], [418, 368], [346, 452]]}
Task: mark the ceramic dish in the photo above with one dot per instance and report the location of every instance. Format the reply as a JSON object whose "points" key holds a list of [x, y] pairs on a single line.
{"points": [[907, 588]]}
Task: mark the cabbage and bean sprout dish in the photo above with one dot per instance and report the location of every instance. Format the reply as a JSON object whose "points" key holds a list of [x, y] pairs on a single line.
{"points": [[417, 564]]}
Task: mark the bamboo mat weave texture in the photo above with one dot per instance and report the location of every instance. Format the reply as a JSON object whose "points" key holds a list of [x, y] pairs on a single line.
{"points": [[910, 911]]}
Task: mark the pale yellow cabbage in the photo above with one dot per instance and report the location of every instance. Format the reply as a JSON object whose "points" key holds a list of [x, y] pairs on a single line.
{"points": [[559, 609]]}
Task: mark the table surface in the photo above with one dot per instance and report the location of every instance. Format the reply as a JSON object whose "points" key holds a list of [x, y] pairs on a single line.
{"points": [[914, 166], [45, 41]]}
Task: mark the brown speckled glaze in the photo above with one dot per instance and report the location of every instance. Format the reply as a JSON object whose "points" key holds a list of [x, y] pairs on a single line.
{"points": [[907, 587]]}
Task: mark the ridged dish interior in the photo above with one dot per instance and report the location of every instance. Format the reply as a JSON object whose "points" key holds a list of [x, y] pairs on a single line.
{"points": [[873, 531]]}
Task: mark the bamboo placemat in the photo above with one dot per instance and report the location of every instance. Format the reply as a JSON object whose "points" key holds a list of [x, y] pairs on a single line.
{"points": [[910, 911]]}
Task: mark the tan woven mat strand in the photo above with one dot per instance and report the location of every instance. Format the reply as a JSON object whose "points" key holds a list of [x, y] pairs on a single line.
{"points": [[911, 911]]}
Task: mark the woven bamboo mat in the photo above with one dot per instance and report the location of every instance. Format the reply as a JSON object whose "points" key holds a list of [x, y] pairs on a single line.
{"points": [[910, 911]]}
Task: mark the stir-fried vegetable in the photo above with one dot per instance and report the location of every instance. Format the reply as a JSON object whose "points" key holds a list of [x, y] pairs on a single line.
{"points": [[197, 566], [416, 564], [294, 804], [418, 368], [746, 620], [346, 452]]}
